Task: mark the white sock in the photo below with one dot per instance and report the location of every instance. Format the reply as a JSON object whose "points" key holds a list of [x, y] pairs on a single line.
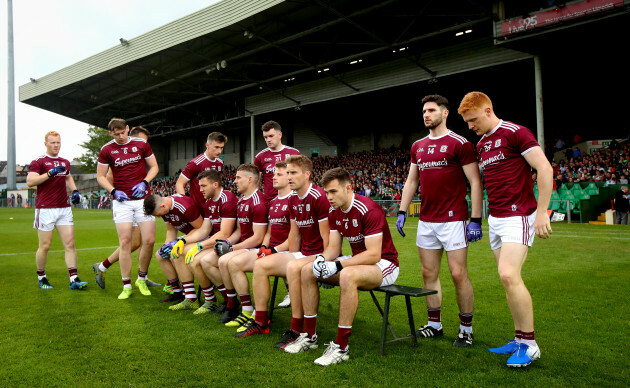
{"points": [[40, 277], [466, 328], [435, 325], [248, 308], [72, 278], [102, 268]]}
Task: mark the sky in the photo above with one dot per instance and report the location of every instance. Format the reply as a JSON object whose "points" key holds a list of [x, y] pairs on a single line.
{"points": [[50, 35]]}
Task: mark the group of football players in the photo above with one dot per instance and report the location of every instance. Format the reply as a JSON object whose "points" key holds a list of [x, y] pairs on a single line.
{"points": [[294, 228]]}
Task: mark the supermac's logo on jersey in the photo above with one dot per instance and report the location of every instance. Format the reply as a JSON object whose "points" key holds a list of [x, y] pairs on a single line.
{"points": [[497, 143], [443, 148]]}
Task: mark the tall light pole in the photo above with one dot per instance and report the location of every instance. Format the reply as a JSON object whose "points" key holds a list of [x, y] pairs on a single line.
{"points": [[10, 105]]}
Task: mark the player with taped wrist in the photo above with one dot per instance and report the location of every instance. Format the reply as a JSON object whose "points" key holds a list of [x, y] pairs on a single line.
{"points": [[51, 174], [442, 162], [507, 153], [129, 157], [372, 263]]}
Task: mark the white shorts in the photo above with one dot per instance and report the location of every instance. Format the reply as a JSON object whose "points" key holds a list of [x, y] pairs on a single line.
{"points": [[517, 229], [299, 255], [47, 219], [437, 235], [390, 270], [130, 211]]}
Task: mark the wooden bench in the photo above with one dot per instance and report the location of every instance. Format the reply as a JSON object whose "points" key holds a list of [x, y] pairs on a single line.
{"points": [[390, 291]]}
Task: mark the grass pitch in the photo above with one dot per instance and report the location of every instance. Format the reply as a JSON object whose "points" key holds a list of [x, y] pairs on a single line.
{"points": [[578, 280]]}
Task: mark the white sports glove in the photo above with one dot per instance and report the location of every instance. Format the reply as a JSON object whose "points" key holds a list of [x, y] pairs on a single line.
{"points": [[325, 269]]}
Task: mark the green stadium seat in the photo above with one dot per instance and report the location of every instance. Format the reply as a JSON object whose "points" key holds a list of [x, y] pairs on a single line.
{"points": [[592, 189]]}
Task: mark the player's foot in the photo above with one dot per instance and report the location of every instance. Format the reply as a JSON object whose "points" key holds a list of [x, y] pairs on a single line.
{"points": [[174, 297], [508, 348], [142, 286], [428, 331], [288, 337], [463, 339], [333, 355], [168, 289], [240, 319], [251, 327], [100, 275], [125, 294], [221, 309], [302, 344], [524, 355], [184, 305], [77, 284], [206, 308], [151, 283], [286, 302], [44, 285], [229, 315]]}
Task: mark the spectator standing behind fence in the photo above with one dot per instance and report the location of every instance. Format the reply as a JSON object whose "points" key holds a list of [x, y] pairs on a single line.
{"points": [[622, 206]]}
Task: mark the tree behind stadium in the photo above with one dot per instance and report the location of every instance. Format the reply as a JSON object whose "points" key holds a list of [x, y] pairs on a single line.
{"points": [[98, 137]]}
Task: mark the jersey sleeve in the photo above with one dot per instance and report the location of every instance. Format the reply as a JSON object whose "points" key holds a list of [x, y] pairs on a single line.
{"points": [[322, 207], [414, 159], [260, 214], [292, 210], [373, 223], [190, 171], [35, 167], [466, 153], [331, 220], [192, 213], [525, 140], [147, 150], [228, 210], [103, 157], [258, 163]]}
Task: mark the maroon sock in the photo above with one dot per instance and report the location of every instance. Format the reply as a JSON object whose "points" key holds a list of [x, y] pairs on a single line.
{"points": [[435, 314], [246, 300], [528, 335], [343, 335], [518, 334], [223, 292], [126, 281], [41, 272], [142, 275], [310, 325], [465, 319], [106, 263], [174, 283], [261, 318], [231, 298], [189, 290], [72, 271], [208, 294], [297, 324]]}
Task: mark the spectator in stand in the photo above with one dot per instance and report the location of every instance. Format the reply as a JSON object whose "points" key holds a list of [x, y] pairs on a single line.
{"points": [[560, 144], [623, 180], [622, 206], [577, 153]]}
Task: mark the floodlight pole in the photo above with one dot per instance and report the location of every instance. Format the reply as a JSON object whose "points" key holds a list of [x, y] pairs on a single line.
{"points": [[540, 122], [11, 180], [252, 140]]}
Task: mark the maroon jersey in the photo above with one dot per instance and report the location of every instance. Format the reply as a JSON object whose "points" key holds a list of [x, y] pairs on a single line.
{"points": [[251, 211], [279, 220], [439, 161], [224, 208], [127, 162], [308, 212], [183, 211], [51, 194], [507, 175], [363, 219], [193, 168], [266, 163]]}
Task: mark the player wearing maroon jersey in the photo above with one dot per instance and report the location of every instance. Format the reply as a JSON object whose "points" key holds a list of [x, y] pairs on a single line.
{"points": [[266, 159], [180, 214], [373, 263], [51, 174], [136, 240], [233, 261], [129, 158], [209, 160], [308, 236], [219, 221], [507, 152], [442, 162]]}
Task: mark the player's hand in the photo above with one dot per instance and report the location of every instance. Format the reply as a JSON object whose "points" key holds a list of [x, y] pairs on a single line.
{"points": [[76, 197], [57, 170], [140, 189], [165, 250], [178, 248], [542, 225], [473, 231], [400, 222], [264, 251], [120, 195], [221, 247], [190, 255], [325, 269]]}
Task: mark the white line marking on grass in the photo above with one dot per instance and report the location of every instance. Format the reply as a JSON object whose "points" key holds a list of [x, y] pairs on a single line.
{"points": [[57, 251], [583, 236]]}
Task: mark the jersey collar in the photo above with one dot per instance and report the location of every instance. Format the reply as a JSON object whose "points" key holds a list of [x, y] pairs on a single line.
{"points": [[281, 149], [310, 186], [494, 129], [351, 204], [219, 196], [439, 137], [251, 195], [52, 157]]}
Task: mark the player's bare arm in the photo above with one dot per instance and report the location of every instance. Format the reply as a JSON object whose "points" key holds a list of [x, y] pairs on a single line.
{"points": [[324, 231], [180, 185], [199, 233], [410, 187], [255, 240], [101, 177], [471, 170], [227, 226], [34, 179], [537, 160], [295, 238], [151, 162]]}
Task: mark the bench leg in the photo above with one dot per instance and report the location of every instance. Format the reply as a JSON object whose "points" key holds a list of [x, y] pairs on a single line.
{"points": [[411, 323], [272, 301], [385, 323]]}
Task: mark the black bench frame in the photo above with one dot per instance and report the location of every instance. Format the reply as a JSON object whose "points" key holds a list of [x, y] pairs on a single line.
{"points": [[390, 291]]}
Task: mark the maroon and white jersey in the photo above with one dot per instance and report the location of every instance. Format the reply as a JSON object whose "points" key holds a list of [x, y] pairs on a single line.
{"points": [[51, 194], [127, 162], [224, 208], [363, 219], [439, 161], [507, 175], [308, 212], [279, 219], [183, 211], [266, 163], [193, 168], [251, 211]]}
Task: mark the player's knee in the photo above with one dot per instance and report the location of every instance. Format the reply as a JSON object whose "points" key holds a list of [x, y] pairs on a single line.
{"points": [[294, 269], [460, 276], [224, 263], [347, 279], [44, 246], [429, 273], [509, 277], [307, 273]]}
